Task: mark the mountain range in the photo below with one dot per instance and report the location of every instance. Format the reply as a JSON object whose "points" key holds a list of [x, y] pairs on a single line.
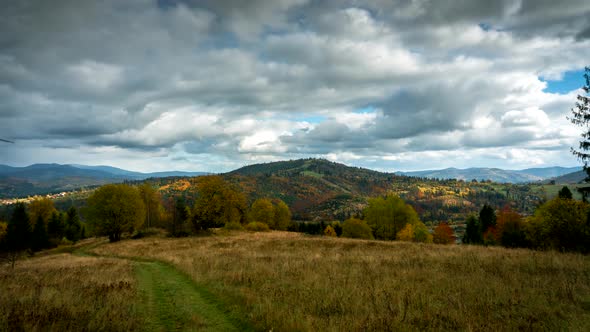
{"points": [[496, 174], [50, 178]]}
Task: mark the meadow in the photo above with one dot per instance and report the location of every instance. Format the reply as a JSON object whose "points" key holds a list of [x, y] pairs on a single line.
{"points": [[288, 281]]}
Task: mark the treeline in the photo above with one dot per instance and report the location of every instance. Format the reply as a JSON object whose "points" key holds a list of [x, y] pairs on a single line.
{"points": [[561, 224], [36, 226], [115, 209]]}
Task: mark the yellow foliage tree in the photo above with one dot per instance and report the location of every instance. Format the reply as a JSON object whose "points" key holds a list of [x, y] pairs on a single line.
{"points": [[3, 230], [263, 211], [282, 215], [218, 203], [40, 208], [406, 234], [329, 231]]}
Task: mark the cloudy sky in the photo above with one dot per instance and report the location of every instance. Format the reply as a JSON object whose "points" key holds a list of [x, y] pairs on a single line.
{"points": [[213, 85]]}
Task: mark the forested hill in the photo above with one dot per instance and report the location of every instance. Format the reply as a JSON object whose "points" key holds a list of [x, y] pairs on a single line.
{"points": [[320, 189]]}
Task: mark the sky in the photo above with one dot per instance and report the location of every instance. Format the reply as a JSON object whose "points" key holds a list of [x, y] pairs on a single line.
{"points": [[213, 85]]}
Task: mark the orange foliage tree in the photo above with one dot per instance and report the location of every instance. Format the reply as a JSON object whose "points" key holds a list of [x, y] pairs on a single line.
{"points": [[443, 234]]}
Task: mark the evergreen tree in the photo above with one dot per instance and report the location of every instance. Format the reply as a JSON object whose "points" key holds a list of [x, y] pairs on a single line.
{"points": [[39, 239], [565, 193], [179, 218], [55, 228], [472, 231], [487, 218], [73, 229], [581, 117]]}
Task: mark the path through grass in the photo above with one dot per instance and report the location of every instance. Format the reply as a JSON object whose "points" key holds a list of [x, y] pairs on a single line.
{"points": [[173, 302]]}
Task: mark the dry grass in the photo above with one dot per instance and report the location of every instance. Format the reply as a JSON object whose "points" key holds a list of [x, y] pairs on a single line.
{"points": [[62, 292], [287, 281]]}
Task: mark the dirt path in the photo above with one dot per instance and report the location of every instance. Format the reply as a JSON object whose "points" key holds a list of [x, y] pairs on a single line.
{"points": [[171, 301]]}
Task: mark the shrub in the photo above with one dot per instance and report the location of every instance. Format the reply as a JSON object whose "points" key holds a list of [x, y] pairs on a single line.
{"points": [[421, 233], [329, 231], [356, 229], [257, 226], [233, 226]]}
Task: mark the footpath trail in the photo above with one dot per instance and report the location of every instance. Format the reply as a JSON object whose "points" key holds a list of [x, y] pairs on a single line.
{"points": [[171, 301]]}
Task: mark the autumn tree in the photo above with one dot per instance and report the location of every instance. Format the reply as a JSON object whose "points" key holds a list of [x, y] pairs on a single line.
{"points": [[329, 231], [114, 209], [356, 229], [40, 207], [262, 210], [406, 233], [388, 215], [282, 215], [217, 203], [443, 234], [510, 228], [151, 200]]}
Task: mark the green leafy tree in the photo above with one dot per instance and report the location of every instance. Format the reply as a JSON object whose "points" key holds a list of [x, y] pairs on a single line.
{"points": [[388, 215], [73, 226], [565, 193], [39, 238], [356, 229], [114, 209], [421, 233], [472, 231], [561, 224]]}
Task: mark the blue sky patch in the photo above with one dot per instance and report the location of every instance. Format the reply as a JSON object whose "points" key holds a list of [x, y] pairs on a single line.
{"points": [[572, 80]]}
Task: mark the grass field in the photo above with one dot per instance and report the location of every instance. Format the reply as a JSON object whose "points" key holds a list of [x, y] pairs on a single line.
{"points": [[287, 281], [62, 292]]}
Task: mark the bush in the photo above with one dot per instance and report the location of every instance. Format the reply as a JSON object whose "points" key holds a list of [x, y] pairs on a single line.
{"points": [[256, 226], [233, 226], [329, 231], [356, 229]]}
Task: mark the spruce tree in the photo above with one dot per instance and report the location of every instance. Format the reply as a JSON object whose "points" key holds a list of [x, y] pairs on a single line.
{"points": [[581, 117], [39, 239], [487, 218]]}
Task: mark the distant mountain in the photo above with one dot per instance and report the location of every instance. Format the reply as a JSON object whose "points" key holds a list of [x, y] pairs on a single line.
{"points": [[494, 174], [47, 178], [570, 178]]}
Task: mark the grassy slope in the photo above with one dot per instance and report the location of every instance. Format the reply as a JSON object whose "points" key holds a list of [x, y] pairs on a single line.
{"points": [[286, 281]]}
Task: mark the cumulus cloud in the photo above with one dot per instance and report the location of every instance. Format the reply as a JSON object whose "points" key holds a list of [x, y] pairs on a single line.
{"points": [[212, 85]]}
